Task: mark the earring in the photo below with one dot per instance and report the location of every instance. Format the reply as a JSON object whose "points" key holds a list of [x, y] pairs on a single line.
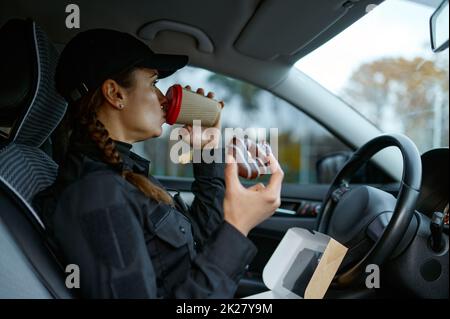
{"points": [[120, 106]]}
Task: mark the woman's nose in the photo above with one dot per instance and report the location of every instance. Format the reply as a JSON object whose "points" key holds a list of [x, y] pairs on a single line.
{"points": [[162, 98]]}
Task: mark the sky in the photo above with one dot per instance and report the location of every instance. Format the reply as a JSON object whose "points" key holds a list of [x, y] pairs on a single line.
{"points": [[394, 28]]}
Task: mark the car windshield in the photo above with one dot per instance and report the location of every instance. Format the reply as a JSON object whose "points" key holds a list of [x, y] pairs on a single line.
{"points": [[384, 68]]}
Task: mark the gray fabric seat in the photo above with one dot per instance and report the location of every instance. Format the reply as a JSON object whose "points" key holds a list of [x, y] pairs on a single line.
{"points": [[30, 109], [29, 104]]}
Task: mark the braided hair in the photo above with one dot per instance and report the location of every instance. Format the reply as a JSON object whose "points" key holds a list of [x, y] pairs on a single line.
{"points": [[84, 113]]}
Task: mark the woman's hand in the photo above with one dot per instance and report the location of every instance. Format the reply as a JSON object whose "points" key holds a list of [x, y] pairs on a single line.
{"points": [[244, 208], [210, 141]]}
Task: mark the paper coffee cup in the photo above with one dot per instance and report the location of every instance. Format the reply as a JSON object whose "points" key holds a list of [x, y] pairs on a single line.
{"points": [[186, 106]]}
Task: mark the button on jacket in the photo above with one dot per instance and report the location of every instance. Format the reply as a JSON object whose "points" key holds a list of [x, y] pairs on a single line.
{"points": [[129, 246]]}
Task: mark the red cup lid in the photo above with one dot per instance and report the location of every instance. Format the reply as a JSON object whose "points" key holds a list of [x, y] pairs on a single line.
{"points": [[174, 95]]}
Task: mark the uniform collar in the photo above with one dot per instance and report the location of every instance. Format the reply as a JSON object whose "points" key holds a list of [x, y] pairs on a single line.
{"points": [[130, 160]]}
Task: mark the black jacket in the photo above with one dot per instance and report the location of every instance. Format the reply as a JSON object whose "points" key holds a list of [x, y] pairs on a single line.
{"points": [[128, 246]]}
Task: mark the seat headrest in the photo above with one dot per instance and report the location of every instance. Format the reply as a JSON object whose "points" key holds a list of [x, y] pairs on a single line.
{"points": [[29, 103]]}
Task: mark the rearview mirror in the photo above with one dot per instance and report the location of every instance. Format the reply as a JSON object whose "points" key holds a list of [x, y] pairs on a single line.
{"points": [[439, 28], [328, 166]]}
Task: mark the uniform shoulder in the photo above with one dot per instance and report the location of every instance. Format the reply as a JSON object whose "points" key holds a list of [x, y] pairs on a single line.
{"points": [[96, 190]]}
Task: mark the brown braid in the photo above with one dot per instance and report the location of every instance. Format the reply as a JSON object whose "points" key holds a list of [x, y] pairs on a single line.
{"points": [[86, 113]]}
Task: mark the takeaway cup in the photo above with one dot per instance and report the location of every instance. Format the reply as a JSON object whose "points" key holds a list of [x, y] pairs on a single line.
{"points": [[185, 106]]}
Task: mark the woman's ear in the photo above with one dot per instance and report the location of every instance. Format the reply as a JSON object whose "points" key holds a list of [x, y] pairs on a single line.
{"points": [[114, 94]]}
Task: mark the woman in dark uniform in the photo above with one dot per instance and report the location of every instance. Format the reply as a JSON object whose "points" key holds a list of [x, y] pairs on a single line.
{"points": [[107, 215]]}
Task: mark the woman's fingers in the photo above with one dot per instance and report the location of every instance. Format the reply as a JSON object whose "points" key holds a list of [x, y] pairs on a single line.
{"points": [[276, 179], [188, 127], [202, 92], [231, 173]]}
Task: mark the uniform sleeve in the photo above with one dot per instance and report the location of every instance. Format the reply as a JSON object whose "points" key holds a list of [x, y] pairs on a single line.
{"points": [[224, 252], [216, 270], [106, 242], [206, 212]]}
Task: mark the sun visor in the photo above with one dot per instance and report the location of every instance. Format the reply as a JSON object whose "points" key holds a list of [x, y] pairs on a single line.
{"points": [[285, 27]]}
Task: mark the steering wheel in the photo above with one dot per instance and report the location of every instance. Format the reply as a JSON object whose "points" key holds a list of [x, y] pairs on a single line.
{"points": [[350, 215]]}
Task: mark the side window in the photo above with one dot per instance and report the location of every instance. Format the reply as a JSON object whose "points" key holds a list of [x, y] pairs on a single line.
{"points": [[302, 142]]}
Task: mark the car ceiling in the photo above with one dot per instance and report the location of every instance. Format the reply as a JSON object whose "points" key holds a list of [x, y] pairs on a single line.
{"points": [[255, 40]]}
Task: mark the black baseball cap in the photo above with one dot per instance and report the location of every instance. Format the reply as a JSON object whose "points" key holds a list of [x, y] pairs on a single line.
{"points": [[93, 56]]}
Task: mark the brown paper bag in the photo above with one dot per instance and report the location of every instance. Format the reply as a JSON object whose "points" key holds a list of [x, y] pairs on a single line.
{"points": [[326, 269]]}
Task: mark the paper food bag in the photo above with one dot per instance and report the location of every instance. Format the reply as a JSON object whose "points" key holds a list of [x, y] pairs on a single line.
{"points": [[303, 265]]}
